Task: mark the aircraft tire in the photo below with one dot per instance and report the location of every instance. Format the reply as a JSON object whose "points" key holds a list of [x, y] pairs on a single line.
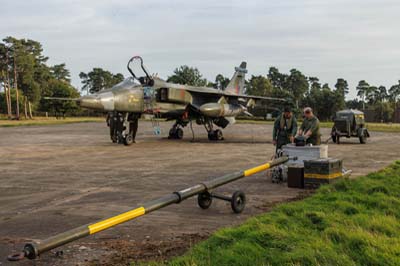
{"points": [[218, 135], [179, 133], [211, 135], [171, 134], [128, 140]]}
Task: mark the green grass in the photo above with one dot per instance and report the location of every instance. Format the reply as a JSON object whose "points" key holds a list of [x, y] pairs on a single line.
{"points": [[352, 222], [45, 121]]}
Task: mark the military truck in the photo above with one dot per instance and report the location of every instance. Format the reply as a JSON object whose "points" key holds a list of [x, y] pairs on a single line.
{"points": [[349, 123]]}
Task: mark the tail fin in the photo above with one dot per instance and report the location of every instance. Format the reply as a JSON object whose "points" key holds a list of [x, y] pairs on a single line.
{"points": [[236, 85]]}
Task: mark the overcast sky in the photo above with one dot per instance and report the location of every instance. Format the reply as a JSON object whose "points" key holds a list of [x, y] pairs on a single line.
{"points": [[353, 39]]}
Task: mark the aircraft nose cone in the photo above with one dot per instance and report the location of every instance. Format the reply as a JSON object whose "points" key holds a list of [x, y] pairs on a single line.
{"points": [[91, 102], [100, 101]]}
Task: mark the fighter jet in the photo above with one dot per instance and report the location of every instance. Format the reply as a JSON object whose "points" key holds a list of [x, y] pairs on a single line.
{"points": [[127, 101]]}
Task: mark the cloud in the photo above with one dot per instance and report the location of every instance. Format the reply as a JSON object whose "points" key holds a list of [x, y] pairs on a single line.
{"points": [[353, 39]]}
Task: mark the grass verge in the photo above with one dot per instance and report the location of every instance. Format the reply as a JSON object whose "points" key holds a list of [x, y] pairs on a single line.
{"points": [[43, 121], [352, 222], [392, 127]]}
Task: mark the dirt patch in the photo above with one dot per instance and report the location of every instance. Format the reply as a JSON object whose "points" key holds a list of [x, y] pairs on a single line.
{"points": [[55, 178], [128, 251]]}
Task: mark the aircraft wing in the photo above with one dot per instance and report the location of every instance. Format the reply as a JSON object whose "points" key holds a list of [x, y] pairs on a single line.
{"points": [[215, 92], [229, 93], [206, 90]]}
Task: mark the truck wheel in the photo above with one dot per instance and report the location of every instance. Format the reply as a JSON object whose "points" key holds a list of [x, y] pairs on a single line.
{"points": [[238, 201], [204, 200]]}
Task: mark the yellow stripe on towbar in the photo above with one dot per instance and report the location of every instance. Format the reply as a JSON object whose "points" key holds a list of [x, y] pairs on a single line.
{"points": [[256, 169], [126, 216]]}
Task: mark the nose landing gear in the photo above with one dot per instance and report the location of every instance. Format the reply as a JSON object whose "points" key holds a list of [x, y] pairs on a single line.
{"points": [[176, 132], [123, 127]]}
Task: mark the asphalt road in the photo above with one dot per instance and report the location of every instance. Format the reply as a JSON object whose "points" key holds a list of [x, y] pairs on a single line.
{"points": [[54, 178]]}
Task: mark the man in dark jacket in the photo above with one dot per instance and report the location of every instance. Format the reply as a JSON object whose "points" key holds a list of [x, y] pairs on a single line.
{"points": [[285, 128]]}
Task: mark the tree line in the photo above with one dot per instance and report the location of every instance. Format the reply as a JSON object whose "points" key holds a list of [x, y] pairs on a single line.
{"points": [[26, 78], [302, 91]]}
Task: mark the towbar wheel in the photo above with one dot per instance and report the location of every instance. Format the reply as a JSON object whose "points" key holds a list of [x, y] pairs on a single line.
{"points": [[16, 256], [204, 200], [238, 201]]}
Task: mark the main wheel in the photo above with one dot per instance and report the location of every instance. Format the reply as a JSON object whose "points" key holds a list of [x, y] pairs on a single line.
{"points": [[211, 135], [218, 134], [238, 201], [171, 134], [128, 140], [204, 200], [179, 133]]}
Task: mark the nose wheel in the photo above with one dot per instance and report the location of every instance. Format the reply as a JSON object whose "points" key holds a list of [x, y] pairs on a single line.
{"points": [[237, 200], [128, 139]]}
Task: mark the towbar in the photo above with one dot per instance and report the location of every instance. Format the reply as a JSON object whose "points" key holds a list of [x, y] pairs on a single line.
{"points": [[33, 249]]}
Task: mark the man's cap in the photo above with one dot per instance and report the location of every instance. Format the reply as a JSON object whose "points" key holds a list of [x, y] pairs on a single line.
{"points": [[307, 110], [287, 109]]}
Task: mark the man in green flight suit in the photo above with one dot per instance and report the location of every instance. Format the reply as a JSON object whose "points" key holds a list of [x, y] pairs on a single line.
{"points": [[285, 128], [310, 128]]}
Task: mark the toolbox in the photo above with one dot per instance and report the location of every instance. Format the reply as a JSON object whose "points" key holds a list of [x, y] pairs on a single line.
{"points": [[322, 171], [295, 178], [300, 154]]}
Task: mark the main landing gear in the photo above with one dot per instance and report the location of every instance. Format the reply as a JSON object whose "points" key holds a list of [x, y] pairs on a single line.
{"points": [[176, 132], [123, 127], [213, 134]]}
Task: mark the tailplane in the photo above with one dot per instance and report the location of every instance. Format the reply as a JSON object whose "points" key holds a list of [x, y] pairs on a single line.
{"points": [[236, 85]]}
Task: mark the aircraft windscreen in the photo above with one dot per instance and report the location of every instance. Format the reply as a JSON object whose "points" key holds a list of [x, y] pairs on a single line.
{"points": [[126, 83]]}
